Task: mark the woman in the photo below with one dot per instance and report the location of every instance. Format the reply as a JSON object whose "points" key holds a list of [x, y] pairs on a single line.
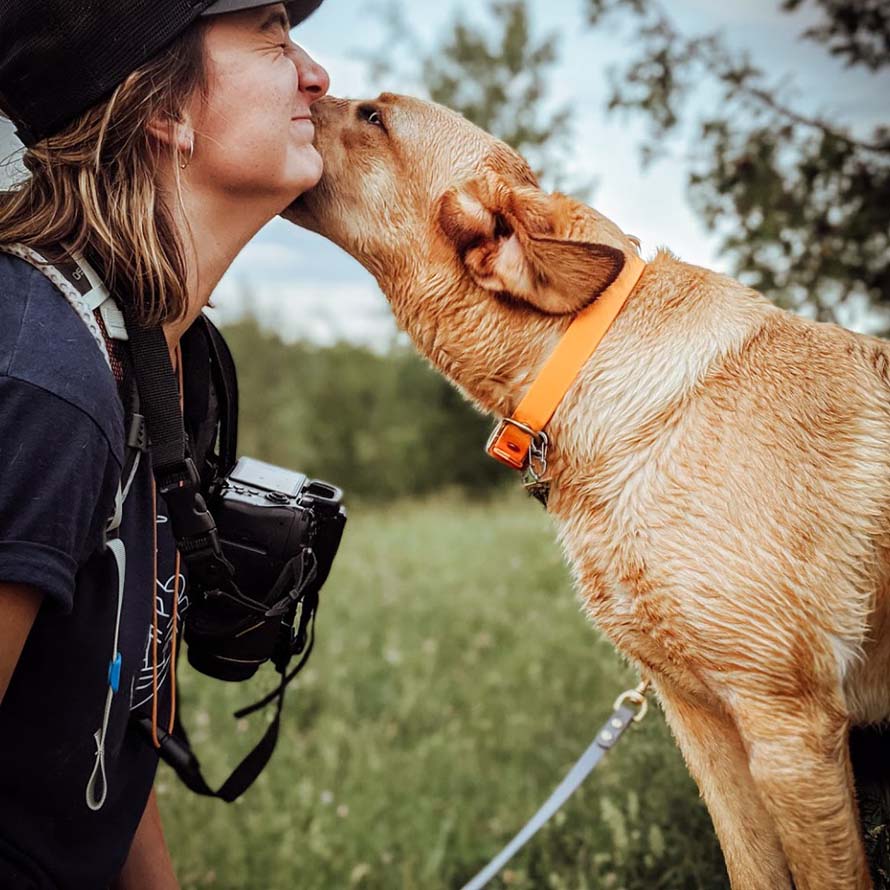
{"points": [[160, 137]]}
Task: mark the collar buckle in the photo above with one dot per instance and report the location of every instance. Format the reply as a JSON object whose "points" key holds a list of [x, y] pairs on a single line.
{"points": [[518, 446], [523, 448]]}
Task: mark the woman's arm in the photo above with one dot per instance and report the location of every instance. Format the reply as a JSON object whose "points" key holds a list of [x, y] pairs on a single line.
{"points": [[148, 865], [19, 604]]}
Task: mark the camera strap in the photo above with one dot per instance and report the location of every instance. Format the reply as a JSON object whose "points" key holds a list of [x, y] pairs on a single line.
{"points": [[226, 383], [176, 751], [174, 469], [193, 526], [152, 405]]}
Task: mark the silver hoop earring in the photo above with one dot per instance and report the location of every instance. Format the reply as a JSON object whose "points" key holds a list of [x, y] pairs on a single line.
{"points": [[184, 164]]}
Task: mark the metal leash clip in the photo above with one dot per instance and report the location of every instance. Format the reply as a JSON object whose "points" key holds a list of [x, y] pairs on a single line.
{"points": [[636, 696], [534, 476], [630, 707], [537, 458]]}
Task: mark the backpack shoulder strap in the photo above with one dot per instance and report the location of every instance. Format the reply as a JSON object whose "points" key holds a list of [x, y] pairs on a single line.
{"points": [[72, 281], [87, 295]]}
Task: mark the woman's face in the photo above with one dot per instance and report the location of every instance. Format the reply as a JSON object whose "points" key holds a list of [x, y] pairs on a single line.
{"points": [[253, 134]]}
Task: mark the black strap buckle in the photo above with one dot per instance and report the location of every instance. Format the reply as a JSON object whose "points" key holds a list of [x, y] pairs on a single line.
{"points": [[137, 434], [181, 474], [179, 486], [193, 524]]}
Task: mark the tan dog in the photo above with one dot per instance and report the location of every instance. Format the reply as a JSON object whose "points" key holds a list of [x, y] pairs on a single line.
{"points": [[721, 468]]}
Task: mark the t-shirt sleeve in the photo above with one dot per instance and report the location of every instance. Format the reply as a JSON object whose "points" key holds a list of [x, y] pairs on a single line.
{"points": [[58, 480]]}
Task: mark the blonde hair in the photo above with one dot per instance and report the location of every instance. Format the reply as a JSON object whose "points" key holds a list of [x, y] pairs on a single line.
{"points": [[93, 187]]}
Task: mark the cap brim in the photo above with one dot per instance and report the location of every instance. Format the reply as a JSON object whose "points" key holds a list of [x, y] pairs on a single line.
{"points": [[298, 10]]}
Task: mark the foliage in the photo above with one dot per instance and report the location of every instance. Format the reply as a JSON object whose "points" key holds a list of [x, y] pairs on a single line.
{"points": [[800, 202], [453, 684], [857, 32], [379, 426], [496, 75]]}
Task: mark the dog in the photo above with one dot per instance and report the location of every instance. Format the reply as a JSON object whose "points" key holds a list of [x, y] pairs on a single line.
{"points": [[720, 468]]}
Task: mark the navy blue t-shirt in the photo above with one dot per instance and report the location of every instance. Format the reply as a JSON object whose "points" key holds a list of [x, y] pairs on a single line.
{"points": [[61, 453]]}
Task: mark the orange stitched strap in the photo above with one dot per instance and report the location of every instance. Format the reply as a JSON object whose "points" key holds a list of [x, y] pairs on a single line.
{"points": [[512, 438]]}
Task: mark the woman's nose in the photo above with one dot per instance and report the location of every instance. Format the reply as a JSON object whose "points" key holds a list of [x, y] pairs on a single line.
{"points": [[314, 80]]}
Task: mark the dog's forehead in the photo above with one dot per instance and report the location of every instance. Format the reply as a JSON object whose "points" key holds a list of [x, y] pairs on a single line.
{"points": [[507, 163], [446, 138]]}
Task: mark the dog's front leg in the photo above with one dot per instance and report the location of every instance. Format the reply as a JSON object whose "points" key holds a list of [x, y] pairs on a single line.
{"points": [[799, 760], [718, 762]]}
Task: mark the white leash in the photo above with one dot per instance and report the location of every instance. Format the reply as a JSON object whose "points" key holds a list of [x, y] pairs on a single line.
{"points": [[630, 707]]}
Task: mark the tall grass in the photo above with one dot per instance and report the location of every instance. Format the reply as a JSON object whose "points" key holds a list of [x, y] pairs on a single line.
{"points": [[453, 684]]}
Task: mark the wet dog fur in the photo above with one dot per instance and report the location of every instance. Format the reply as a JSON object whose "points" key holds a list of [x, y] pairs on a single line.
{"points": [[720, 468]]}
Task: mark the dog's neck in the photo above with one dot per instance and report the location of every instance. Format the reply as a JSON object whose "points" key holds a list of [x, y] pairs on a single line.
{"points": [[472, 336], [677, 322], [491, 346]]}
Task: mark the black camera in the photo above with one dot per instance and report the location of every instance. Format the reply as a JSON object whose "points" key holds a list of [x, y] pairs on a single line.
{"points": [[280, 532]]}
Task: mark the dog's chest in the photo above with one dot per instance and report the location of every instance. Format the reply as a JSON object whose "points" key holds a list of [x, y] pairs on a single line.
{"points": [[610, 537]]}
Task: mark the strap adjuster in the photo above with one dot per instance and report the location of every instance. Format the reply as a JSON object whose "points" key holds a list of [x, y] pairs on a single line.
{"points": [[137, 435], [191, 520], [182, 474]]}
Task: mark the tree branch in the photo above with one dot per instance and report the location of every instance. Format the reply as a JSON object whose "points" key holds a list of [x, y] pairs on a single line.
{"points": [[796, 117]]}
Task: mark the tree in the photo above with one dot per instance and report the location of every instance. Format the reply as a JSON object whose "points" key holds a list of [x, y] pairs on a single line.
{"points": [[801, 203], [495, 76], [379, 426]]}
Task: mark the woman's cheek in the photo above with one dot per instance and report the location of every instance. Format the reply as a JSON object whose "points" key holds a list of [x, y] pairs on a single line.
{"points": [[248, 139]]}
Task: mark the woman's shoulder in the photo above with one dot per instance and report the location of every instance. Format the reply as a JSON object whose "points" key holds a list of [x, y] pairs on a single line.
{"points": [[44, 343]]}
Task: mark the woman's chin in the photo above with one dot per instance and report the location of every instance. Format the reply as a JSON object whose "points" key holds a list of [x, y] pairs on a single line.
{"points": [[307, 169]]}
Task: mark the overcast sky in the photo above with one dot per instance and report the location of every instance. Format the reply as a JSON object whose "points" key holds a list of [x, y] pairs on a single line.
{"points": [[305, 287]]}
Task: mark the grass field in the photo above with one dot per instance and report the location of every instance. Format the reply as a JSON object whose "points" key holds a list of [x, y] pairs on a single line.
{"points": [[453, 683]]}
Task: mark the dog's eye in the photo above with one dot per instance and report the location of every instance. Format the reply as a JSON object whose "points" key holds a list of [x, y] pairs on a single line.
{"points": [[371, 115]]}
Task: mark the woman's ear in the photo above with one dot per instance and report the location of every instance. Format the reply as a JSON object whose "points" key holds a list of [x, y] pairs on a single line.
{"points": [[178, 135], [506, 237]]}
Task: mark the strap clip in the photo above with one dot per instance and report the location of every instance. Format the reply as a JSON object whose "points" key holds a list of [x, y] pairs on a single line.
{"points": [[205, 560], [137, 435], [185, 503], [182, 474], [193, 524]]}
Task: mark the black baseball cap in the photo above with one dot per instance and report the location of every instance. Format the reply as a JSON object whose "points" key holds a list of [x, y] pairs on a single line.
{"points": [[60, 57]]}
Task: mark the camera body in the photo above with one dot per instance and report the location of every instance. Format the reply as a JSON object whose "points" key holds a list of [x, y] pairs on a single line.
{"points": [[266, 514], [280, 531]]}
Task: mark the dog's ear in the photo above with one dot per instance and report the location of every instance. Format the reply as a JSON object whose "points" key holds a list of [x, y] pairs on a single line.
{"points": [[506, 238]]}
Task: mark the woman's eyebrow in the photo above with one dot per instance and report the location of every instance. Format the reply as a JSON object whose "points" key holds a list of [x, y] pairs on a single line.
{"points": [[276, 19]]}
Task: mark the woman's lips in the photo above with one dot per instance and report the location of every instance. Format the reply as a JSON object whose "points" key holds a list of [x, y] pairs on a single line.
{"points": [[304, 124]]}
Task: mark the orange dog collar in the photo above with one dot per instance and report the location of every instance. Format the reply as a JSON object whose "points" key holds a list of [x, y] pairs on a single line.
{"points": [[519, 441]]}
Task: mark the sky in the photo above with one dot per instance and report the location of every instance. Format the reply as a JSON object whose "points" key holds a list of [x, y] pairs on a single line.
{"points": [[304, 287]]}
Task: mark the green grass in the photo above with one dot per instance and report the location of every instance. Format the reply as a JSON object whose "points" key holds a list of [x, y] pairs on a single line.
{"points": [[453, 683]]}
